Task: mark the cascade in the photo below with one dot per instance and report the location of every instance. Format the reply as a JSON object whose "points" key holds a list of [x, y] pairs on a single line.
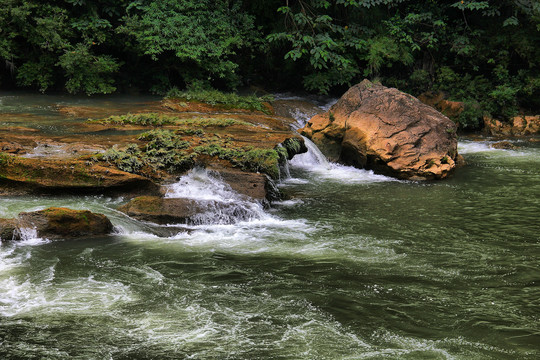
{"points": [[314, 160], [222, 205]]}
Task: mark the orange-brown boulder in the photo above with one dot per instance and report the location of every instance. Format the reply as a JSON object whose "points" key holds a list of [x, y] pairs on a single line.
{"points": [[437, 100], [384, 129], [520, 125], [54, 223]]}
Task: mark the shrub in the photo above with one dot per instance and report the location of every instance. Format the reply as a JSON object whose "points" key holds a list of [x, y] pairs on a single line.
{"points": [[471, 116]]}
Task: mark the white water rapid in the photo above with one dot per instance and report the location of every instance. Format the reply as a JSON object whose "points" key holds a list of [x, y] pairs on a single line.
{"points": [[222, 204]]}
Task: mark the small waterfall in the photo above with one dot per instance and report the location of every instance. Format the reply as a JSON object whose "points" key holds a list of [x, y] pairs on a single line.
{"points": [[220, 204], [315, 162], [312, 158]]}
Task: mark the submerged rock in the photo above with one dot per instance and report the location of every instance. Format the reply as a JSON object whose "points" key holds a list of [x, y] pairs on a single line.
{"points": [[505, 145], [53, 223], [56, 223], [384, 129], [186, 211], [161, 210], [9, 230]]}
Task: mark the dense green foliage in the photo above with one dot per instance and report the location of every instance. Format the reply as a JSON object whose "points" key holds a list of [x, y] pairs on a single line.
{"points": [[485, 53]]}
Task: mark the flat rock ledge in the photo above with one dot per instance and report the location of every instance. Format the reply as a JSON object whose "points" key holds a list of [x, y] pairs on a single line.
{"points": [[184, 211], [56, 223], [388, 131]]}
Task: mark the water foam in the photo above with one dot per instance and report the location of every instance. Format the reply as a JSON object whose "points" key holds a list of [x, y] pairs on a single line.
{"points": [[314, 161], [469, 147], [221, 204]]}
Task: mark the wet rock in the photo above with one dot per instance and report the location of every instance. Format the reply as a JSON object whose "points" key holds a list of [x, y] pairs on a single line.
{"points": [[520, 125], [38, 175], [184, 211], [254, 185], [384, 129], [437, 100], [161, 210], [9, 230], [54, 223], [506, 145], [21, 129]]}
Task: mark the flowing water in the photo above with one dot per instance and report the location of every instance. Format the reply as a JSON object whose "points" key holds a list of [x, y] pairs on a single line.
{"points": [[352, 265]]}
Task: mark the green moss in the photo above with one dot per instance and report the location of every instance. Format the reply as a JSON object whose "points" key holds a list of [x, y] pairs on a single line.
{"points": [[144, 119], [191, 132], [226, 100], [207, 122], [5, 159], [127, 159], [166, 139], [163, 151], [158, 120], [331, 117], [293, 145], [247, 158]]}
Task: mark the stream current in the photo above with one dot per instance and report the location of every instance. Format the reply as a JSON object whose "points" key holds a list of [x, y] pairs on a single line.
{"points": [[352, 265]]}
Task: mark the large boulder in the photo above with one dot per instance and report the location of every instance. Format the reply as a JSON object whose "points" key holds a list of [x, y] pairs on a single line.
{"points": [[55, 223], [384, 129]]}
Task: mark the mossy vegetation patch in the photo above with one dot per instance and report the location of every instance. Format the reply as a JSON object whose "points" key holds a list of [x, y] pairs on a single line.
{"points": [[159, 120], [247, 158], [167, 150], [223, 99]]}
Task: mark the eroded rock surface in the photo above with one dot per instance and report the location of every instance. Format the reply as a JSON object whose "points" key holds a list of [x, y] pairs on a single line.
{"points": [[9, 230], [437, 100], [56, 223], [384, 129], [53, 223], [27, 175], [109, 155], [520, 125], [185, 211]]}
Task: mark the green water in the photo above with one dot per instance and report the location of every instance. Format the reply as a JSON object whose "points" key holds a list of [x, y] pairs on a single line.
{"points": [[353, 266], [40, 112]]}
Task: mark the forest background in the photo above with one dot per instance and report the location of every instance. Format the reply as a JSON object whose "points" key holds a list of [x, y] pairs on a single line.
{"points": [[483, 53]]}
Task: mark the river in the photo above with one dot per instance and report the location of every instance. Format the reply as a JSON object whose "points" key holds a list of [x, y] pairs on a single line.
{"points": [[352, 265]]}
